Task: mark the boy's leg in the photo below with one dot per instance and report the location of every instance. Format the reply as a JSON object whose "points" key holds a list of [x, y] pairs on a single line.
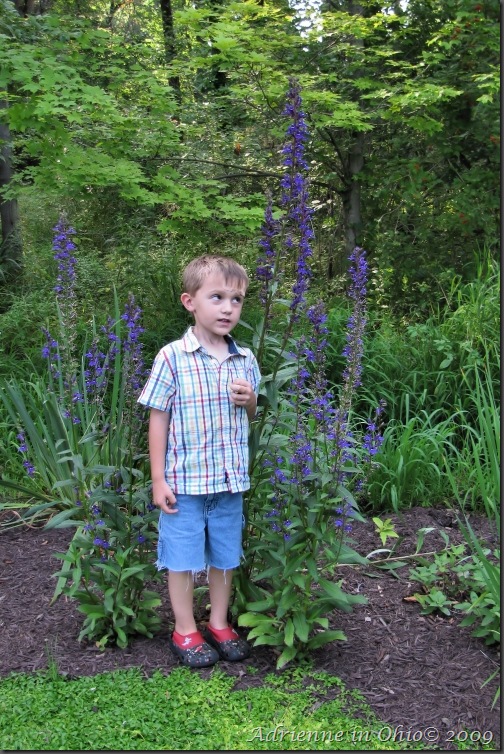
{"points": [[220, 634], [181, 588], [219, 583]]}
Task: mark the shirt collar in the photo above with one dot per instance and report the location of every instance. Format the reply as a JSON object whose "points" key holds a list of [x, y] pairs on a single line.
{"points": [[190, 343]]}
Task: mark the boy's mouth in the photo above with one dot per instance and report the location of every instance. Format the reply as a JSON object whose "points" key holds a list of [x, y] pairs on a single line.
{"points": [[224, 321]]}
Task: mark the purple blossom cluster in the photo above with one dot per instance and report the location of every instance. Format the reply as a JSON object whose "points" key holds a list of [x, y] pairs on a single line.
{"points": [[322, 398], [50, 351], [23, 448], [95, 370], [279, 481], [371, 444], [134, 368], [96, 526], [373, 439], [64, 249], [61, 355]]}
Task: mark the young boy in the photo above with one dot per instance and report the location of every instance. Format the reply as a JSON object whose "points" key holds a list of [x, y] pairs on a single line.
{"points": [[202, 393]]}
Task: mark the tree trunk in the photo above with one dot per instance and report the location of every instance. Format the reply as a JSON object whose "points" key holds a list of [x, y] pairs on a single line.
{"points": [[169, 38], [355, 163], [25, 8], [351, 195], [11, 252]]}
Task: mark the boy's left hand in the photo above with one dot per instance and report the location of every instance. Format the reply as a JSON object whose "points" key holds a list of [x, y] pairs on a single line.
{"points": [[242, 393]]}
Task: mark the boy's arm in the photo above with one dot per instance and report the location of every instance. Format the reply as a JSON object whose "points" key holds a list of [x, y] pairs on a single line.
{"points": [[162, 494]]}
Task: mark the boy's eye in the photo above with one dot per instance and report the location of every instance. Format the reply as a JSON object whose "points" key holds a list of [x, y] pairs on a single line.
{"points": [[238, 299]]}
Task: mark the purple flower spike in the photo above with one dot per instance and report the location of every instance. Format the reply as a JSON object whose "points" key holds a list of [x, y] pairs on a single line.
{"points": [[64, 248], [294, 232], [132, 347]]}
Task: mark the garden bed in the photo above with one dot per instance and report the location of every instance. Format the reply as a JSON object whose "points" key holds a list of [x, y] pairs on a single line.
{"points": [[415, 671]]}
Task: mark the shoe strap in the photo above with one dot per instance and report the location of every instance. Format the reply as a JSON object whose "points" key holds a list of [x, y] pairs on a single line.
{"points": [[187, 641], [223, 634]]}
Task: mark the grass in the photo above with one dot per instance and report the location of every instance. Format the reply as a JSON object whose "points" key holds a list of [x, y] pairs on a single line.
{"points": [[126, 711]]}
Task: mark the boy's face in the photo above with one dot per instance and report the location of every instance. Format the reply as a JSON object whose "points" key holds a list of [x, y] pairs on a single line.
{"points": [[216, 305]]}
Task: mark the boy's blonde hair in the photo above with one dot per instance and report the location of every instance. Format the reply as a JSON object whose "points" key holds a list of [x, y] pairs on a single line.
{"points": [[199, 269]]}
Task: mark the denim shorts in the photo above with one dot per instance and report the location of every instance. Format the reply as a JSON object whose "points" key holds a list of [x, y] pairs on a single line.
{"points": [[205, 532]]}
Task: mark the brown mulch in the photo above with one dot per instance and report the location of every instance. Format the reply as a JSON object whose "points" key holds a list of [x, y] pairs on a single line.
{"points": [[415, 671]]}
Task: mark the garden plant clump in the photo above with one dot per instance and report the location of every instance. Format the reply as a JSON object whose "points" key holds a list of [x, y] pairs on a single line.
{"points": [[308, 457], [83, 445]]}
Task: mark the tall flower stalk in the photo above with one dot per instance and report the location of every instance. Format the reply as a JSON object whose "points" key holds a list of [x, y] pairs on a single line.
{"points": [[286, 242], [64, 250], [301, 508]]}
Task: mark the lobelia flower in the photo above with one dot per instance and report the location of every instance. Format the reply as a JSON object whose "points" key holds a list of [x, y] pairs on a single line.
{"points": [[290, 238], [50, 351], [371, 444], [61, 354], [132, 347], [64, 248], [23, 448]]}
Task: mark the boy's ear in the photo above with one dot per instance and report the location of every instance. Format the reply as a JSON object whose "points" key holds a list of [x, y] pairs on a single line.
{"points": [[187, 301]]}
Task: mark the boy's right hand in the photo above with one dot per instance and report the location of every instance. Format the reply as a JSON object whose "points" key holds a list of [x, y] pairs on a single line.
{"points": [[163, 497]]}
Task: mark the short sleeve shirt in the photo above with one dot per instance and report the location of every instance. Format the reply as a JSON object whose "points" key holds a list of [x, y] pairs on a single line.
{"points": [[207, 446]]}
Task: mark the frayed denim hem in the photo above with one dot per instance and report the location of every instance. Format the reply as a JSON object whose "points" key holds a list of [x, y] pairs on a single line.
{"points": [[195, 571]]}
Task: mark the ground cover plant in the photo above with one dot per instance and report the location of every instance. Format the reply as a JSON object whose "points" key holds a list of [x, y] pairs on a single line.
{"points": [[123, 710]]}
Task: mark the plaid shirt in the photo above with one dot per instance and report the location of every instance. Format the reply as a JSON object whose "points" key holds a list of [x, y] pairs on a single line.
{"points": [[207, 448]]}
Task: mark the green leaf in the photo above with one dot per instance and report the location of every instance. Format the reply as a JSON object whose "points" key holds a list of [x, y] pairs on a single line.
{"points": [[92, 611], [287, 655], [324, 637], [340, 599], [253, 619], [301, 626], [289, 633], [63, 519], [267, 639], [261, 606]]}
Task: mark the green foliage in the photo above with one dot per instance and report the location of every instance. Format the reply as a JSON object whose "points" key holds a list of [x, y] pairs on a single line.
{"points": [[457, 580], [20, 335], [428, 365], [481, 456], [106, 567], [114, 712], [434, 601], [114, 127], [407, 469], [441, 380], [413, 92], [385, 529]]}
